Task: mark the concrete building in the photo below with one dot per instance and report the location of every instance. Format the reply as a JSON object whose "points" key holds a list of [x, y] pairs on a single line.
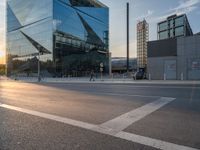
{"points": [[174, 59], [70, 36], [174, 26], [142, 38], [176, 55]]}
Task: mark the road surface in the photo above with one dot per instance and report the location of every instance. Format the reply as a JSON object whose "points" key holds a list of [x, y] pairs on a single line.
{"points": [[99, 116]]}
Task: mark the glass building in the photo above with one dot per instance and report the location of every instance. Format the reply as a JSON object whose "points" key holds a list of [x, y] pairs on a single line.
{"points": [[70, 36], [174, 26]]}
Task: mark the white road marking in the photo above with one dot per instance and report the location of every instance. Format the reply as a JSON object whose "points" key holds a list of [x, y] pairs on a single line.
{"points": [[122, 122], [51, 117], [151, 142], [106, 130], [118, 94], [160, 86]]}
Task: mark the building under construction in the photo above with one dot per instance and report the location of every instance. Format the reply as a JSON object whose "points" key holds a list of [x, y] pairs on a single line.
{"points": [[142, 39]]}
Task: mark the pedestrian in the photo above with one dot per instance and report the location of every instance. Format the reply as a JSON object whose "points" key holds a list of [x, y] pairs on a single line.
{"points": [[92, 76]]}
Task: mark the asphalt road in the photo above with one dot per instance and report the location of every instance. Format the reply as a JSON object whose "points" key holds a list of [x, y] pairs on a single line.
{"points": [[98, 116]]}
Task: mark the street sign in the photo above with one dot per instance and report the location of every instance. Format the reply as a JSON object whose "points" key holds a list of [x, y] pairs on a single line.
{"points": [[101, 65], [101, 69]]}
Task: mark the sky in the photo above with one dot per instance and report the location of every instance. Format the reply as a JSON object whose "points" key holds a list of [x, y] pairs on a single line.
{"points": [[153, 11]]}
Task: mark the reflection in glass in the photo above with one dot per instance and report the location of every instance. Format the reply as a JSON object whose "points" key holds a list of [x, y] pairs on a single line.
{"points": [[76, 38]]}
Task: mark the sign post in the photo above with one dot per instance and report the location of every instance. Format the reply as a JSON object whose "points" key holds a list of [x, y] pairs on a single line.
{"points": [[101, 70]]}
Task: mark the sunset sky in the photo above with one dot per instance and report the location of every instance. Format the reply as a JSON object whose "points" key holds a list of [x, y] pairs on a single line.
{"points": [[153, 10]]}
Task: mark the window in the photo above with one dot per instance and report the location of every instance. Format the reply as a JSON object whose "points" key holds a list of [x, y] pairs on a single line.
{"points": [[163, 35], [171, 33], [163, 26], [179, 31], [171, 22], [179, 21]]}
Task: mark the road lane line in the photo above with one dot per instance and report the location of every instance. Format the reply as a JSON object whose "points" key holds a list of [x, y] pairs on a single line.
{"points": [[122, 122], [152, 142], [92, 127], [118, 94], [51, 117]]}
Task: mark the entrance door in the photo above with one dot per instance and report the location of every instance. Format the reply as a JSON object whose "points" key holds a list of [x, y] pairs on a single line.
{"points": [[170, 69], [194, 69]]}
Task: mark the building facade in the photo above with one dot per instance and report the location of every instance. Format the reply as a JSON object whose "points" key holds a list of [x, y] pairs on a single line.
{"points": [[142, 39], [174, 26], [71, 36], [174, 59]]}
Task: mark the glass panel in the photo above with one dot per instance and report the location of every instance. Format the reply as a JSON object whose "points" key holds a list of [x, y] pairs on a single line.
{"points": [[171, 33], [179, 21], [163, 35], [87, 34], [179, 31], [171, 22], [29, 28], [163, 26]]}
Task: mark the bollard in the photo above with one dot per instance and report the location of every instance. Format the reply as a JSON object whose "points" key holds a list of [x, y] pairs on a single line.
{"points": [[182, 77], [149, 76], [164, 76]]}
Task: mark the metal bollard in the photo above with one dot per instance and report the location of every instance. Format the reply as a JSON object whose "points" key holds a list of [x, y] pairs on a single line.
{"points": [[182, 77], [149, 76], [164, 76]]}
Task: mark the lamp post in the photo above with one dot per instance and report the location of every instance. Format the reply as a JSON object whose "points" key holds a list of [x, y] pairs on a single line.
{"points": [[39, 51], [39, 79], [127, 37]]}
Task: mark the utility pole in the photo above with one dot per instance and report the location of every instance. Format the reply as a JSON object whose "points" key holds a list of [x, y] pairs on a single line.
{"points": [[39, 77], [39, 52], [127, 37]]}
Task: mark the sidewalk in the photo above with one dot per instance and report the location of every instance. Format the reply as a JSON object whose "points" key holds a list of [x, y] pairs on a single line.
{"points": [[105, 81]]}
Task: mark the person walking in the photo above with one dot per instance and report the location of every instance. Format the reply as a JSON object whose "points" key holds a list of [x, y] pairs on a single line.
{"points": [[92, 76]]}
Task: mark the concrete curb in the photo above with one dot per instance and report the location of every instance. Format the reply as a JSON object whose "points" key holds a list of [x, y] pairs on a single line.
{"points": [[107, 81]]}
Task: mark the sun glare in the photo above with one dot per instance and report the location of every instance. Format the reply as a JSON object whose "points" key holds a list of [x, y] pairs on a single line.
{"points": [[2, 57], [1, 54]]}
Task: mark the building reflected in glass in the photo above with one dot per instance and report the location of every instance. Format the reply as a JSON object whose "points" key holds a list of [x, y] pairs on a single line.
{"points": [[72, 37]]}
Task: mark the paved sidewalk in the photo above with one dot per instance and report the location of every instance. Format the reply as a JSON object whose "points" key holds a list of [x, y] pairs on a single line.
{"points": [[104, 81]]}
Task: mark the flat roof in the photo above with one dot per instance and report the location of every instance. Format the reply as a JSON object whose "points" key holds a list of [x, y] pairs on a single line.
{"points": [[97, 2]]}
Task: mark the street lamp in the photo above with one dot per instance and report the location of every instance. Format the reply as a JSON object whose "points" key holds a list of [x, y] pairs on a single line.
{"points": [[39, 51]]}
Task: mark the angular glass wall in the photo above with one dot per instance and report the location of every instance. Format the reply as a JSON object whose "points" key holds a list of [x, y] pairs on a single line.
{"points": [[71, 36], [29, 30], [81, 30]]}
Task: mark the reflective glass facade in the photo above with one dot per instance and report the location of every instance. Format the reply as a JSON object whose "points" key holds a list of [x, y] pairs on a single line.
{"points": [[174, 26], [71, 36]]}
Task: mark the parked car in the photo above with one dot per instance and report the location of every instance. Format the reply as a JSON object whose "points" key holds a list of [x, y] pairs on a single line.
{"points": [[139, 75]]}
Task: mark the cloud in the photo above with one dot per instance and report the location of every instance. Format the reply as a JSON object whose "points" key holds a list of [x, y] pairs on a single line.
{"points": [[183, 7], [2, 3], [147, 15], [186, 4]]}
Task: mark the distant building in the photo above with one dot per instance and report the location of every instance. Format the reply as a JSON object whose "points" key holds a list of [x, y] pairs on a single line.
{"points": [[174, 59], [119, 64], [142, 39], [176, 55], [72, 37], [174, 26]]}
